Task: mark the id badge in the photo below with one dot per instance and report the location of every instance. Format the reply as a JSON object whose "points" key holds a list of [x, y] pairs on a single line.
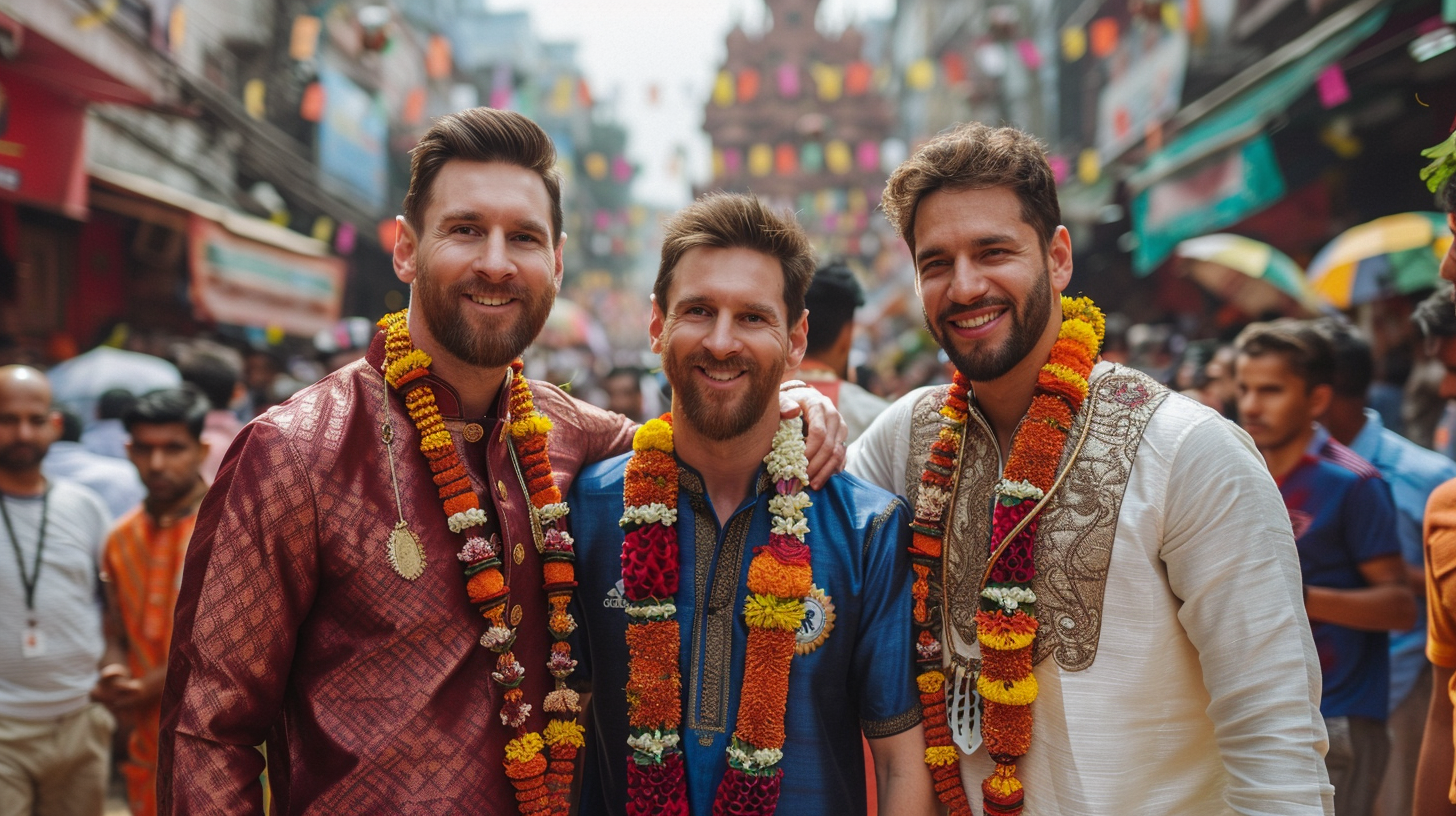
{"points": [[32, 642]]}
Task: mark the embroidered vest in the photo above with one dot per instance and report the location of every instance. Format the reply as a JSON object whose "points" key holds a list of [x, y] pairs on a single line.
{"points": [[1074, 534]]}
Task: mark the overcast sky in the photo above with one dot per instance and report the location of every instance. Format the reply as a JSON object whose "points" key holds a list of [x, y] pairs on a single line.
{"points": [[628, 46]]}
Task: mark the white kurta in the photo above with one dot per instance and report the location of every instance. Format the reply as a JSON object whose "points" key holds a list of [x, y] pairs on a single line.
{"points": [[1204, 694]]}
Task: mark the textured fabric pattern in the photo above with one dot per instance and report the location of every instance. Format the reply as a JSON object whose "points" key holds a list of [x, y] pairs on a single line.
{"points": [[857, 676], [142, 565], [371, 691], [1440, 552], [1203, 698]]}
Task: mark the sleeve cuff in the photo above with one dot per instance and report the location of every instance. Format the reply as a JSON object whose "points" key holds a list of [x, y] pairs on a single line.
{"points": [[889, 727]]}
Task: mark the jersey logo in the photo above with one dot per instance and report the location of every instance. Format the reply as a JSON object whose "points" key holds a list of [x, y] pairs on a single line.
{"points": [[818, 621], [616, 596]]}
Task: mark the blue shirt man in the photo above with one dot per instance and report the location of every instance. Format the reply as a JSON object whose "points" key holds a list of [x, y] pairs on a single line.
{"points": [[852, 670], [1340, 518], [1412, 472]]}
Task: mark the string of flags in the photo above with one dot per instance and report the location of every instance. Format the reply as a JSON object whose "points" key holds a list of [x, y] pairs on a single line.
{"points": [[836, 156]]}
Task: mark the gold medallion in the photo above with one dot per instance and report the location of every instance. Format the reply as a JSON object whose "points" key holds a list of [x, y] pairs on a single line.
{"points": [[818, 621], [516, 614], [406, 555], [519, 553], [473, 432]]}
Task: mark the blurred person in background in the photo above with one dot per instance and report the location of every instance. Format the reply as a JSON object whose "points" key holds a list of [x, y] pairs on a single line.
{"points": [[55, 742], [115, 481], [623, 389], [219, 379], [142, 569], [262, 370], [106, 436], [1412, 472], [1435, 780], [1220, 389], [833, 296], [1355, 586]]}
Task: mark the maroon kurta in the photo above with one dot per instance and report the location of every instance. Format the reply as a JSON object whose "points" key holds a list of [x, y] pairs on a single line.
{"points": [[371, 691]]}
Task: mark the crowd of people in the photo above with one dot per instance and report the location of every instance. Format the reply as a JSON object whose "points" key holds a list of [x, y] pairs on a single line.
{"points": [[1043, 581]]}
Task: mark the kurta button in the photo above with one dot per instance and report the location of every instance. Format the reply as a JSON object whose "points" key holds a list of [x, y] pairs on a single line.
{"points": [[519, 553], [473, 432], [516, 615], [500, 487]]}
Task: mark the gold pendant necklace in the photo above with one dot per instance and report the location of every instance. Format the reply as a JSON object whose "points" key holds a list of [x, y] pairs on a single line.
{"points": [[406, 555]]}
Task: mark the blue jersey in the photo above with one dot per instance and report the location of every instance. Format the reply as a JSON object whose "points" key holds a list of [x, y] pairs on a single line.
{"points": [[1341, 520], [853, 669]]}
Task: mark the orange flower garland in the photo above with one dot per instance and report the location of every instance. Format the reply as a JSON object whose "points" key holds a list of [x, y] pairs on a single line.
{"points": [[1006, 625], [779, 577], [543, 785]]}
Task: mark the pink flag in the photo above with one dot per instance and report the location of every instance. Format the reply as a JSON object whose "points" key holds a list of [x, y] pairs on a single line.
{"points": [[1333, 89], [1030, 56]]}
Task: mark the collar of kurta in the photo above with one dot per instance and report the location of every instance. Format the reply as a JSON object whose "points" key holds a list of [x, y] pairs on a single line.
{"points": [[447, 399]]}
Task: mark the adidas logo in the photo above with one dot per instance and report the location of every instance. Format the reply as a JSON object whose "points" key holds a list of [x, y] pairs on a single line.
{"points": [[616, 597]]}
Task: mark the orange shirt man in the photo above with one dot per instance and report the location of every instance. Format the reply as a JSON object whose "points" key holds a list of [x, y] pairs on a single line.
{"points": [[142, 567]]}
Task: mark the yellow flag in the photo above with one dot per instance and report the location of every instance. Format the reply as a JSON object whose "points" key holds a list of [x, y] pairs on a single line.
{"points": [[920, 75], [1074, 43], [830, 79], [1089, 166], [723, 89], [760, 160], [837, 157], [254, 97]]}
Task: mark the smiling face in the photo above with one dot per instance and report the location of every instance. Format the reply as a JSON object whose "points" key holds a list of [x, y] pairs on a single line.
{"points": [[987, 285], [725, 339], [484, 267]]}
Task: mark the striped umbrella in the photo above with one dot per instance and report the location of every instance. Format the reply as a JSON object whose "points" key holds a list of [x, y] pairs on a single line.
{"points": [[1252, 276], [1394, 255]]}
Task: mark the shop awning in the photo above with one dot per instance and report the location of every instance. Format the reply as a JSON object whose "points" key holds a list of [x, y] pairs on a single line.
{"points": [[1240, 108], [244, 271]]}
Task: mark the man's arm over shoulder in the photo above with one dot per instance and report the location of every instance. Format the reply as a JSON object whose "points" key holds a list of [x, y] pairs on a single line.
{"points": [[879, 455], [249, 580], [1230, 557]]}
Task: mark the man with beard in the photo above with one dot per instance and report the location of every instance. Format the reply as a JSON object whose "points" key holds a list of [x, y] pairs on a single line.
{"points": [[323, 607], [755, 629], [55, 744], [1112, 619]]}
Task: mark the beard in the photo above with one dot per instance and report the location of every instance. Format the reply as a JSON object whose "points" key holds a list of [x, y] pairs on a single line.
{"points": [[1027, 325], [710, 414], [21, 457], [484, 346]]}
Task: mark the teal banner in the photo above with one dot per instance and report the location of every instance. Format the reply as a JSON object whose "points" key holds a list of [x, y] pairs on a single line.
{"points": [[1205, 197]]}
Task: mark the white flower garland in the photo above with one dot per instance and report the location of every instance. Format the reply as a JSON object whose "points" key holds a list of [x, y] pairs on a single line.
{"points": [[645, 514]]}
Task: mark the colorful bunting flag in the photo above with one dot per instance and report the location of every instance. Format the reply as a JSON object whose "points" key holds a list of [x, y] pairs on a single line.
{"points": [[786, 159], [1104, 34], [811, 157], [1089, 166], [953, 65], [868, 155], [1333, 89], [760, 160], [1074, 44], [311, 108], [346, 238], [437, 57], [254, 98], [789, 80], [857, 77], [414, 106], [830, 81], [303, 40], [595, 165], [1030, 54], [748, 85], [920, 75], [838, 158], [723, 89]]}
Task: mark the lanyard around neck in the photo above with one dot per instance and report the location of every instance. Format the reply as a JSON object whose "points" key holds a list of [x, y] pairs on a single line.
{"points": [[29, 581]]}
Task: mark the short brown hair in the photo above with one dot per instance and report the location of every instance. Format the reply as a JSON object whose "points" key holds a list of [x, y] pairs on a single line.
{"points": [[732, 221], [976, 157], [1305, 348], [485, 135]]}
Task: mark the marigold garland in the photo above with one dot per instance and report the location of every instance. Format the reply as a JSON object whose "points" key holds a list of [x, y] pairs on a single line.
{"points": [[1006, 623], [779, 577], [543, 785]]}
